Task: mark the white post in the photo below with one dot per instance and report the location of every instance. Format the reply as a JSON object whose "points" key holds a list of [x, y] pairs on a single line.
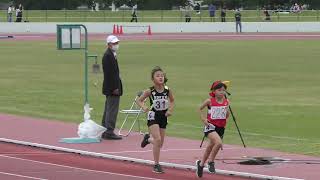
{"points": [[113, 7]]}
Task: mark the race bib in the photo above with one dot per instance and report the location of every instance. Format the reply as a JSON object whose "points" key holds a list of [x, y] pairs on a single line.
{"points": [[208, 128], [160, 104], [151, 115], [218, 112]]}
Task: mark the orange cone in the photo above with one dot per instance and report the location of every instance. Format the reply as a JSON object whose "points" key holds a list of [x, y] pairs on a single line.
{"points": [[118, 29], [114, 29], [121, 30], [149, 30]]}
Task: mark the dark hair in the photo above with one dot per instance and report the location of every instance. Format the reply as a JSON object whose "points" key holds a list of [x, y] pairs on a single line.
{"points": [[156, 69], [220, 85]]}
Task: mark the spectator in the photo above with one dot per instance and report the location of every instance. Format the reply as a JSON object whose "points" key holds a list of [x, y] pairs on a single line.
{"points": [[19, 13], [296, 8], [197, 8], [188, 12], [10, 11], [267, 14], [223, 14], [112, 87], [134, 15], [93, 5], [237, 16], [212, 11]]}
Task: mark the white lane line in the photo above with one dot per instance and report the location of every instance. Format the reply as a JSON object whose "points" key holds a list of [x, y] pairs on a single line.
{"points": [[18, 175], [31, 154], [164, 150], [81, 169]]}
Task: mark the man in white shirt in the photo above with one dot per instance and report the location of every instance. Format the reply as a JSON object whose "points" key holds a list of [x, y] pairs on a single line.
{"points": [[10, 11]]}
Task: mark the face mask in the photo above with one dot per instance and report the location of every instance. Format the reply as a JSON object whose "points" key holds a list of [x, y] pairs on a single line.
{"points": [[115, 47]]}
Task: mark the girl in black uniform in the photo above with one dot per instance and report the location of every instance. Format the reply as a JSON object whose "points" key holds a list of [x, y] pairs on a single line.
{"points": [[161, 106]]}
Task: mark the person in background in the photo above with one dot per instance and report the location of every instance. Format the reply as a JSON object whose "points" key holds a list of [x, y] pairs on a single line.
{"points": [[197, 7], [134, 15], [223, 14], [112, 87], [10, 12], [267, 14], [93, 6], [237, 17], [188, 12], [19, 11], [212, 12]]}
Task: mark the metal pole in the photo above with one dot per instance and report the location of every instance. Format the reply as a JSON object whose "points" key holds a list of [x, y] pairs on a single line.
{"points": [[161, 15], [86, 66], [235, 122], [123, 15], [46, 15], [65, 11], [202, 141]]}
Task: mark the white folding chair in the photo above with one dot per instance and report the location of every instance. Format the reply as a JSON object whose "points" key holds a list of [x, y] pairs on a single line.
{"points": [[134, 112]]}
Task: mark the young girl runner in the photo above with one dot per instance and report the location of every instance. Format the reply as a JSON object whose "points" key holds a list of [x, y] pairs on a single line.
{"points": [[215, 122], [161, 106]]}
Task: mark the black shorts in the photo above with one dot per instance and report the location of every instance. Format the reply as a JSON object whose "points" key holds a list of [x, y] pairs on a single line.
{"points": [[159, 119], [219, 130]]}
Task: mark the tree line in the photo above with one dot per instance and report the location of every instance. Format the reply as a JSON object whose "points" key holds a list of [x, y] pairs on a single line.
{"points": [[159, 4]]}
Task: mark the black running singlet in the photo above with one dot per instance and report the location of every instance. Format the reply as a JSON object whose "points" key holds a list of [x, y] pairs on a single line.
{"points": [[159, 101]]}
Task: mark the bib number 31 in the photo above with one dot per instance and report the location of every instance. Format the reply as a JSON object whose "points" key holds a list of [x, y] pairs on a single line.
{"points": [[160, 104]]}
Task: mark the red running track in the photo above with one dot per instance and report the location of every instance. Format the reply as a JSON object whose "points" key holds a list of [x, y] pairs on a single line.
{"points": [[22, 162]]}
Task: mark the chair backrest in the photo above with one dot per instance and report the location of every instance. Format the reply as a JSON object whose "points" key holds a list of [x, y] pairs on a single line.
{"points": [[139, 93]]}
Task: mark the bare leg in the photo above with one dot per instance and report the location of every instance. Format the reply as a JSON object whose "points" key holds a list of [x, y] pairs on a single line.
{"points": [[156, 141], [162, 134], [217, 144], [212, 149]]}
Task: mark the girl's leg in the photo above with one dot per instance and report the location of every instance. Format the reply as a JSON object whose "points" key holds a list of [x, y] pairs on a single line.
{"points": [[207, 152], [156, 141], [162, 134], [217, 144]]}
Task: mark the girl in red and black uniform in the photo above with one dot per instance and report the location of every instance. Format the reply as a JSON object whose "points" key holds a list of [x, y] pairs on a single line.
{"points": [[215, 122], [161, 107]]}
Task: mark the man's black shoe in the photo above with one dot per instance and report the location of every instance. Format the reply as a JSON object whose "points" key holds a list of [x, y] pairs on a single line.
{"points": [[111, 137]]}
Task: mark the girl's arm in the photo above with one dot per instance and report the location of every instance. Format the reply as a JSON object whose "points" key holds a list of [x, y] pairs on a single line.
{"points": [[142, 98], [203, 116], [171, 104]]}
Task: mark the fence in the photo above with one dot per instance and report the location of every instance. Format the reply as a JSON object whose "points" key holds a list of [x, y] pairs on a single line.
{"points": [[155, 16]]}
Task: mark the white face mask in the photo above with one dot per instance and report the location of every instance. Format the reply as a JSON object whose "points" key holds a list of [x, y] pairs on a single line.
{"points": [[115, 47]]}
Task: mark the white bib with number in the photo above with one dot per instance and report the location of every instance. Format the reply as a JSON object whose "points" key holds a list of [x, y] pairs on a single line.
{"points": [[151, 115], [218, 112], [160, 104]]}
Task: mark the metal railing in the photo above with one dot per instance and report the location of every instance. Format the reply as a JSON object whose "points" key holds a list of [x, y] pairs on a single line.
{"points": [[156, 16]]}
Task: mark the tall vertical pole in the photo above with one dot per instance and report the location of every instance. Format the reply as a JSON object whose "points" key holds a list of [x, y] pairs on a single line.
{"points": [[86, 90]]}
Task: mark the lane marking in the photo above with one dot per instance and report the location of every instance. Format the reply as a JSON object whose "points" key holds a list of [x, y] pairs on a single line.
{"points": [[77, 168], [18, 175], [143, 161], [164, 150]]}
